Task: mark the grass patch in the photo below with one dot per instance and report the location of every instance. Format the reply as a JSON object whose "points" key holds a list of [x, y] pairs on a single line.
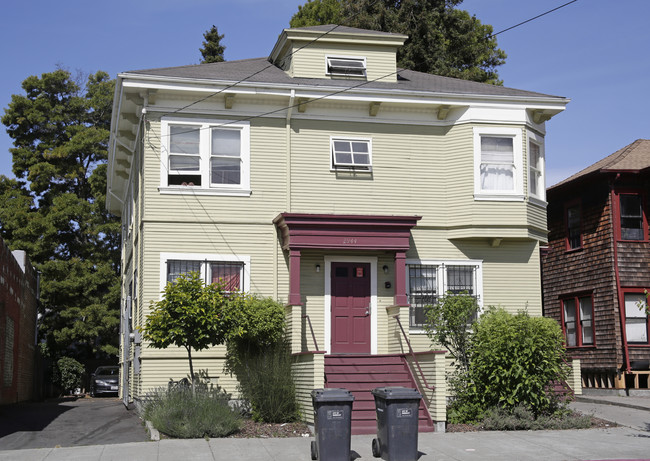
{"points": [[179, 413]]}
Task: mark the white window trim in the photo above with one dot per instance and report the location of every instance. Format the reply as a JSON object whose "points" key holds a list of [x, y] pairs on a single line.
{"points": [[540, 198], [328, 298], [347, 58], [210, 257], [206, 188], [360, 168], [517, 194], [441, 279]]}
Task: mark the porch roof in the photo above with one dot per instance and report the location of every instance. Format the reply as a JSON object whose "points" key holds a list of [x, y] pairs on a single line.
{"points": [[345, 232]]}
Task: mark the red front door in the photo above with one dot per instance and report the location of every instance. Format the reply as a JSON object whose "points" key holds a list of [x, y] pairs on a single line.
{"points": [[350, 308]]}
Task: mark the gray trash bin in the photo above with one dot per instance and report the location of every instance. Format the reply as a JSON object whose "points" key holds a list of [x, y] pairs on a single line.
{"points": [[397, 423], [332, 424]]}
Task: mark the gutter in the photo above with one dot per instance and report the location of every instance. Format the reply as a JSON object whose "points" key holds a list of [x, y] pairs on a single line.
{"points": [[165, 82]]}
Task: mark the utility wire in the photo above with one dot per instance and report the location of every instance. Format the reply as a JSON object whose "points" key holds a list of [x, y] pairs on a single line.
{"points": [[531, 19]]}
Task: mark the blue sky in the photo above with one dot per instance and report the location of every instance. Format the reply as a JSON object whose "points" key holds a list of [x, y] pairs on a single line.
{"points": [[595, 52]]}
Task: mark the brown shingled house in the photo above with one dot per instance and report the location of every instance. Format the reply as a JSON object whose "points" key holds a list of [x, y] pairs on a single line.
{"points": [[597, 267]]}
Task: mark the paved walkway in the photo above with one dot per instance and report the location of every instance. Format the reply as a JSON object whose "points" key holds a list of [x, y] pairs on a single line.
{"points": [[624, 442]]}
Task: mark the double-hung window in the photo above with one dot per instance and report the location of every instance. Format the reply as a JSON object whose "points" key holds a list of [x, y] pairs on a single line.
{"points": [[205, 156], [632, 223], [636, 319], [429, 280], [498, 162], [573, 221], [351, 154], [230, 271], [536, 181], [578, 320]]}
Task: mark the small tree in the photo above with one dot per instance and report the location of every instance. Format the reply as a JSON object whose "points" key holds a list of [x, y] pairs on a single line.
{"points": [[192, 315], [68, 373], [212, 50], [448, 323]]}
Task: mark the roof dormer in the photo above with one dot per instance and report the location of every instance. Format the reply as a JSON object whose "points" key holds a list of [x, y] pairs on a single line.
{"points": [[338, 52]]}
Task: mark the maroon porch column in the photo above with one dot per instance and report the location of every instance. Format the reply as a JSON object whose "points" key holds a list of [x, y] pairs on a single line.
{"points": [[294, 278], [400, 279]]}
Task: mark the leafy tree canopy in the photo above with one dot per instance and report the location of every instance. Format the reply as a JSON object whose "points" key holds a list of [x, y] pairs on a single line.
{"points": [[191, 315], [212, 50], [54, 209], [442, 40]]}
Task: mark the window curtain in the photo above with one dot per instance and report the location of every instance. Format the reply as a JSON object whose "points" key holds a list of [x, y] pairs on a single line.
{"points": [[497, 164]]}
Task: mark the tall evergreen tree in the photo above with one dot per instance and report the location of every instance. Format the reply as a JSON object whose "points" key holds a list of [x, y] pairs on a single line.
{"points": [[212, 50], [442, 40], [55, 208]]}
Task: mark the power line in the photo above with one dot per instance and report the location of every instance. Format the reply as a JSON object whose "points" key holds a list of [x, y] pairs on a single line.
{"points": [[531, 19]]}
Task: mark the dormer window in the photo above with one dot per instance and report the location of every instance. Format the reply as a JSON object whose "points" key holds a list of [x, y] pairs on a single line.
{"points": [[346, 66]]}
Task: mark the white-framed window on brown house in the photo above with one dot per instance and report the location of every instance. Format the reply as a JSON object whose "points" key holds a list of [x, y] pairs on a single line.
{"points": [[578, 320], [427, 281], [232, 271], [636, 318]]}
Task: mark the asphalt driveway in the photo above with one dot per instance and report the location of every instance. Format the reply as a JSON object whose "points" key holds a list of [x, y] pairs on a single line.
{"points": [[69, 422]]}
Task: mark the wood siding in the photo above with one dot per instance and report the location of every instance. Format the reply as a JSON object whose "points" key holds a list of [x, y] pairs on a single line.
{"points": [[426, 171], [310, 62], [584, 271]]}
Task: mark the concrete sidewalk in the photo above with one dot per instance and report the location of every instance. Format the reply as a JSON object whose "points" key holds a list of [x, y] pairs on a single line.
{"points": [[631, 440], [590, 444]]}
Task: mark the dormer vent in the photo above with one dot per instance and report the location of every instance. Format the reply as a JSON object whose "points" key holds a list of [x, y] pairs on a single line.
{"points": [[348, 67]]}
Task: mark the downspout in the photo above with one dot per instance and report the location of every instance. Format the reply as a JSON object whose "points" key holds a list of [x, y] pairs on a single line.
{"points": [[619, 294], [288, 144], [292, 98]]}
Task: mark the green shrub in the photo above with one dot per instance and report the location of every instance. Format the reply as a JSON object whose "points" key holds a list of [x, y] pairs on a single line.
{"points": [[178, 412], [259, 325], [68, 373], [448, 323], [266, 381], [514, 359]]}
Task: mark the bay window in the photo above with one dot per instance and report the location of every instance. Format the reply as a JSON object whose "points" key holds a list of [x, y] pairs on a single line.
{"points": [[536, 181], [498, 163]]}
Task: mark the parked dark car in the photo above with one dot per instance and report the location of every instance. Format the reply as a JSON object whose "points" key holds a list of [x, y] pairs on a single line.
{"points": [[104, 381]]}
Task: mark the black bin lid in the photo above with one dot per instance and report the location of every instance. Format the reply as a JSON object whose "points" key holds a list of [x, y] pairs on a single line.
{"points": [[396, 393], [331, 395]]}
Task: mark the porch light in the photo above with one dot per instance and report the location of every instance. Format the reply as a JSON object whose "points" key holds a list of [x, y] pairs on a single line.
{"points": [[317, 267], [385, 268]]}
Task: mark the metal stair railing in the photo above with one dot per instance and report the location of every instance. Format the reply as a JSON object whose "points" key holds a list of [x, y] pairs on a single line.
{"points": [[313, 336], [415, 359]]}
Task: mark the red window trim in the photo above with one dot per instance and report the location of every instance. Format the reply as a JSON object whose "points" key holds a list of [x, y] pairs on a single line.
{"points": [[576, 297], [616, 194], [567, 205], [647, 323]]}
